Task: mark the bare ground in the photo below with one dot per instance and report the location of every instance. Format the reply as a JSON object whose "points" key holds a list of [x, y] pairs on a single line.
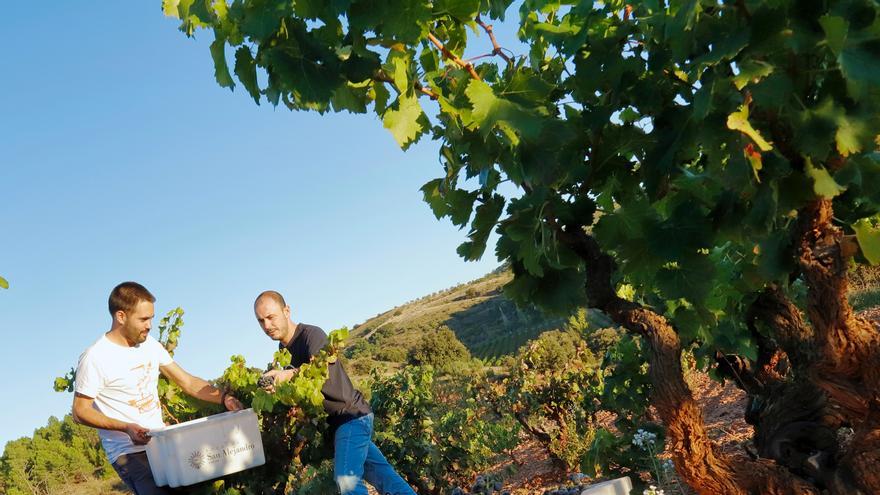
{"points": [[723, 409]]}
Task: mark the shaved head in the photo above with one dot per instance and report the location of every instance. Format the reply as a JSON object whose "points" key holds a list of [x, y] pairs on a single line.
{"points": [[271, 295], [273, 315]]}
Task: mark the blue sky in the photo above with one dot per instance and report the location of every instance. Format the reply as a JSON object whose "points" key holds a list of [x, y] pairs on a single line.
{"points": [[121, 159]]}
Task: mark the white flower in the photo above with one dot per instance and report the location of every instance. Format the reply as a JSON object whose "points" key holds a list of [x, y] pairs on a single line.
{"points": [[644, 439], [653, 490]]}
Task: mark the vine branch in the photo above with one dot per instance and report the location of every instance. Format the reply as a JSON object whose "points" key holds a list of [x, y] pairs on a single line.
{"points": [[496, 48], [381, 76], [168, 412], [451, 56], [425, 90]]}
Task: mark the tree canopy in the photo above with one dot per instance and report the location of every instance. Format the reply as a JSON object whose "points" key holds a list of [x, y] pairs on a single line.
{"points": [[702, 171]]}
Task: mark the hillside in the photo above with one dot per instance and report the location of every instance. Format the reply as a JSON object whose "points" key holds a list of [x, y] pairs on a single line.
{"points": [[488, 323]]}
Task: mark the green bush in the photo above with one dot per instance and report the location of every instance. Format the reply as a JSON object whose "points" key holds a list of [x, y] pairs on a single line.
{"points": [[437, 433], [360, 366], [359, 348], [442, 350], [58, 454], [391, 354]]}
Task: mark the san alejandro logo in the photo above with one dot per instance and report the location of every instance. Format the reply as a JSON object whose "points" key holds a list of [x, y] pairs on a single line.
{"points": [[197, 459], [208, 457]]}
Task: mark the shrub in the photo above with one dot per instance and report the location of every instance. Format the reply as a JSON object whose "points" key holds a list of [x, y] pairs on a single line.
{"points": [[391, 354], [440, 349]]}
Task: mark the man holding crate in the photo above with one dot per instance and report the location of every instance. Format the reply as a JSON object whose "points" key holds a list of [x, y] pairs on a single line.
{"points": [[116, 389], [356, 458]]}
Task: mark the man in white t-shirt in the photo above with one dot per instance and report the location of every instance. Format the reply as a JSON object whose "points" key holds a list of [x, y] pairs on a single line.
{"points": [[117, 381]]}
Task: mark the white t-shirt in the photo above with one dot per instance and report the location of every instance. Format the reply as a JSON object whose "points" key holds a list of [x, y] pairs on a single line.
{"points": [[124, 382]]}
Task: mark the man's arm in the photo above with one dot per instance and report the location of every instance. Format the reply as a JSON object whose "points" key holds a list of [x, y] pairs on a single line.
{"points": [[85, 414], [315, 341], [277, 377], [198, 388]]}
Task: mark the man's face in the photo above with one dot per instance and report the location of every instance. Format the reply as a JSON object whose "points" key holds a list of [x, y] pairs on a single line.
{"points": [[137, 323], [273, 318]]}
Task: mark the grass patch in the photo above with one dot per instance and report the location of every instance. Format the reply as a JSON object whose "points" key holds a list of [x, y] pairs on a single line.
{"points": [[864, 299]]}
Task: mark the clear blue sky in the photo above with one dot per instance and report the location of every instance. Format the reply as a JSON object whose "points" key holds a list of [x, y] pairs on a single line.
{"points": [[121, 159]]}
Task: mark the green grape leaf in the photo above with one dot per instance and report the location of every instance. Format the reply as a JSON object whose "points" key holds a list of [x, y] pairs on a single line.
{"points": [[860, 63], [751, 72], [405, 21], [169, 8], [823, 184], [868, 236], [61, 384], [462, 10], [850, 136], [485, 219], [491, 112], [221, 70], [397, 67], [351, 98], [406, 120], [281, 359], [457, 204], [693, 279], [263, 401], [338, 336], [497, 8], [836, 29], [739, 121], [246, 71], [194, 13], [310, 83], [628, 115], [431, 194]]}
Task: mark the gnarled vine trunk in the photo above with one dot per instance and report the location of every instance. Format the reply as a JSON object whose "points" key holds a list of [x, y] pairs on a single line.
{"points": [[813, 391]]}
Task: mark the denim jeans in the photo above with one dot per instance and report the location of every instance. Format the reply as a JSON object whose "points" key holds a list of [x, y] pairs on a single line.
{"points": [[357, 459], [134, 469]]}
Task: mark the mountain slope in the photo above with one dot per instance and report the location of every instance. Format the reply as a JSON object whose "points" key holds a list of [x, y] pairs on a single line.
{"points": [[488, 323]]}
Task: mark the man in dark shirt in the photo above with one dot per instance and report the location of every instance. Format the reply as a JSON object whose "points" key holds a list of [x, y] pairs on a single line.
{"points": [[356, 458]]}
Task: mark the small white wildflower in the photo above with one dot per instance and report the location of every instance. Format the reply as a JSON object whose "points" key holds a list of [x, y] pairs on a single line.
{"points": [[644, 439], [653, 490]]}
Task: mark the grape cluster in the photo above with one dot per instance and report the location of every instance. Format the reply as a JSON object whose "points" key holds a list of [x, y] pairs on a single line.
{"points": [[482, 486], [265, 381], [567, 490], [576, 487]]}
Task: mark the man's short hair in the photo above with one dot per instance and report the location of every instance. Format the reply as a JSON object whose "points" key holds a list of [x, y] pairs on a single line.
{"points": [[273, 295], [125, 296]]}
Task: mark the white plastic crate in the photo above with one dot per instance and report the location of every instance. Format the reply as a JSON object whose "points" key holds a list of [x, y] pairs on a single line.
{"points": [[205, 448], [619, 486]]}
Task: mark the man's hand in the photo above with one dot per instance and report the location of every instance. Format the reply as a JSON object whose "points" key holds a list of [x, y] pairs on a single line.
{"points": [[231, 403], [272, 378], [138, 434]]}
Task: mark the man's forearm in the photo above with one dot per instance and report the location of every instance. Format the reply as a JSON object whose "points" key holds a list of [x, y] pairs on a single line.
{"points": [[96, 419], [201, 389]]}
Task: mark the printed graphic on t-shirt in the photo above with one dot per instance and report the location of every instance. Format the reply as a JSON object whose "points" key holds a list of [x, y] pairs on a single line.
{"points": [[147, 400]]}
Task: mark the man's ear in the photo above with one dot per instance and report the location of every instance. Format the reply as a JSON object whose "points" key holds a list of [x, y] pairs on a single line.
{"points": [[120, 317], [286, 311]]}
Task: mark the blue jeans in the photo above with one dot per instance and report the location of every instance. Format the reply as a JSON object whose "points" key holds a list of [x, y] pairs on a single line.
{"points": [[134, 469], [357, 459]]}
